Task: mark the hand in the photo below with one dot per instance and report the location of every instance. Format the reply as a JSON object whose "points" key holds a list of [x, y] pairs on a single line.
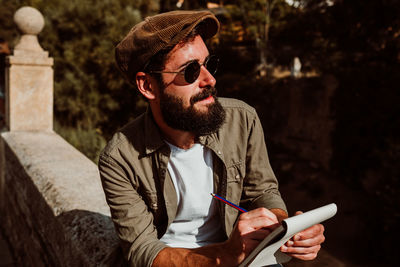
{"points": [[306, 244], [252, 227]]}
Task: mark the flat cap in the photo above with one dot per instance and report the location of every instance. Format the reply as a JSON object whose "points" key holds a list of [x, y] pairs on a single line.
{"points": [[157, 32]]}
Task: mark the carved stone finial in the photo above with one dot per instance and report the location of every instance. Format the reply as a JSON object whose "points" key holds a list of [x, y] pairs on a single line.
{"points": [[30, 22]]}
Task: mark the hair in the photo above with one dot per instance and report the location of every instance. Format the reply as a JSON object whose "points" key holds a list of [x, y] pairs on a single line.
{"points": [[157, 62]]}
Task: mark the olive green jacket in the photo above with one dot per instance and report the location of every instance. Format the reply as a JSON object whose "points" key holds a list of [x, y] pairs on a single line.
{"points": [[142, 196]]}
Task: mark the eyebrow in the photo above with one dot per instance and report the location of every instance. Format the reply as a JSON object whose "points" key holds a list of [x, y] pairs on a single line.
{"points": [[190, 61], [187, 63]]}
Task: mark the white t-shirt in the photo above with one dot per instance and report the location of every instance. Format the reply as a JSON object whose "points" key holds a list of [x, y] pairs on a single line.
{"points": [[196, 223]]}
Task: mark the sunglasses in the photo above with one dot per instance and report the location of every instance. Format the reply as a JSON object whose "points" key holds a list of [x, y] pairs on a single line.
{"points": [[192, 70]]}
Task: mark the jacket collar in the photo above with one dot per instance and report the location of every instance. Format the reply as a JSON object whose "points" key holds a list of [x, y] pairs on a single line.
{"points": [[153, 138]]}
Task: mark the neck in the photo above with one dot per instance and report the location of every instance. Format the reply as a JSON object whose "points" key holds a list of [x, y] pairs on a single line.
{"points": [[181, 139]]}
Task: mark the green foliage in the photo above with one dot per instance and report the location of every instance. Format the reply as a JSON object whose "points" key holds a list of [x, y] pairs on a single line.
{"points": [[255, 17], [90, 93], [89, 141], [8, 29], [83, 35]]}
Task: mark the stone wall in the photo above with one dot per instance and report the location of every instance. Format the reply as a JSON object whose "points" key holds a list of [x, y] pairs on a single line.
{"points": [[53, 210]]}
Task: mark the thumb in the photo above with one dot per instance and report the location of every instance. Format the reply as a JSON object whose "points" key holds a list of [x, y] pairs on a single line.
{"points": [[298, 213]]}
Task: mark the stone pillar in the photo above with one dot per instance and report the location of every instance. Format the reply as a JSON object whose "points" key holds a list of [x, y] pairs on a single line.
{"points": [[29, 78]]}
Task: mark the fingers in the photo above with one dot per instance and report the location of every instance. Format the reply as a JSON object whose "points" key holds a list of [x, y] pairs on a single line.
{"points": [[259, 235], [259, 213], [309, 233], [252, 227], [306, 257], [301, 250], [318, 240], [256, 219], [306, 244]]}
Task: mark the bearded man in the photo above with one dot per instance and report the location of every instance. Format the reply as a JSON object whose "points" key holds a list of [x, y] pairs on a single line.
{"points": [[158, 171]]}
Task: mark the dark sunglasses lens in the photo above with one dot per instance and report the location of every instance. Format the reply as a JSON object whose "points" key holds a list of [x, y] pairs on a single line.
{"points": [[212, 64], [192, 72]]}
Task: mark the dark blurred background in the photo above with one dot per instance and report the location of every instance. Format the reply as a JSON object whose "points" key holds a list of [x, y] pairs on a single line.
{"points": [[323, 75]]}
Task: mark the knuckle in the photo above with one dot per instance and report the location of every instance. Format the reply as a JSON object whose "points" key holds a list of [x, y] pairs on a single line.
{"points": [[264, 212], [312, 256], [310, 250], [241, 225], [242, 216]]}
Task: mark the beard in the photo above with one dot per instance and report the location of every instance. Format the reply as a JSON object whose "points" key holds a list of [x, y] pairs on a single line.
{"points": [[190, 119]]}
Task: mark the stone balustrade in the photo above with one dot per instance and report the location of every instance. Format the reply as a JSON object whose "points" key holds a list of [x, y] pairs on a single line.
{"points": [[53, 210]]}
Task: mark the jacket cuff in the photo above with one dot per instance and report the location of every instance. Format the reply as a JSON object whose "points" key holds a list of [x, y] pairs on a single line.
{"points": [[269, 200], [146, 254]]}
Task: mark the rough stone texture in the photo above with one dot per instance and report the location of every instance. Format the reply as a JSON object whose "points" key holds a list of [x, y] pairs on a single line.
{"points": [[53, 208], [29, 78], [6, 257]]}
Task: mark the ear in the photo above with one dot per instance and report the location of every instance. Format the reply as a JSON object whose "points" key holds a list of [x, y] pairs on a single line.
{"points": [[145, 85]]}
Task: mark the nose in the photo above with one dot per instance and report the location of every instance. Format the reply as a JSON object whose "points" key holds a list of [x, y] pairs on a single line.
{"points": [[206, 78]]}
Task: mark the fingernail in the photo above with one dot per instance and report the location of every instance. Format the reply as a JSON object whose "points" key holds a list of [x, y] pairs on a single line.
{"points": [[283, 248], [296, 238], [290, 243]]}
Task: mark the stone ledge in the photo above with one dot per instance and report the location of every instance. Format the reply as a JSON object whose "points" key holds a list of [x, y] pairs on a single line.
{"points": [[54, 206]]}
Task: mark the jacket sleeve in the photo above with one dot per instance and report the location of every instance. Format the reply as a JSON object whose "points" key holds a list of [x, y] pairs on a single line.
{"points": [[132, 220], [260, 186]]}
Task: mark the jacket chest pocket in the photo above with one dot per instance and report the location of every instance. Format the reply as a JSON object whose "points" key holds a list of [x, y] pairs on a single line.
{"points": [[155, 206], [236, 172], [152, 201], [235, 176]]}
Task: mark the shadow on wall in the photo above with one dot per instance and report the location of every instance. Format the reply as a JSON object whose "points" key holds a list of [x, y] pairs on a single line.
{"points": [[97, 232]]}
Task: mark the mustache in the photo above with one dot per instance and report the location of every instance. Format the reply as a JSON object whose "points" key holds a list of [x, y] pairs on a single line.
{"points": [[208, 91]]}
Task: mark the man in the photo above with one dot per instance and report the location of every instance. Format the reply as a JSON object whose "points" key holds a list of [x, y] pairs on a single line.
{"points": [[159, 170]]}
